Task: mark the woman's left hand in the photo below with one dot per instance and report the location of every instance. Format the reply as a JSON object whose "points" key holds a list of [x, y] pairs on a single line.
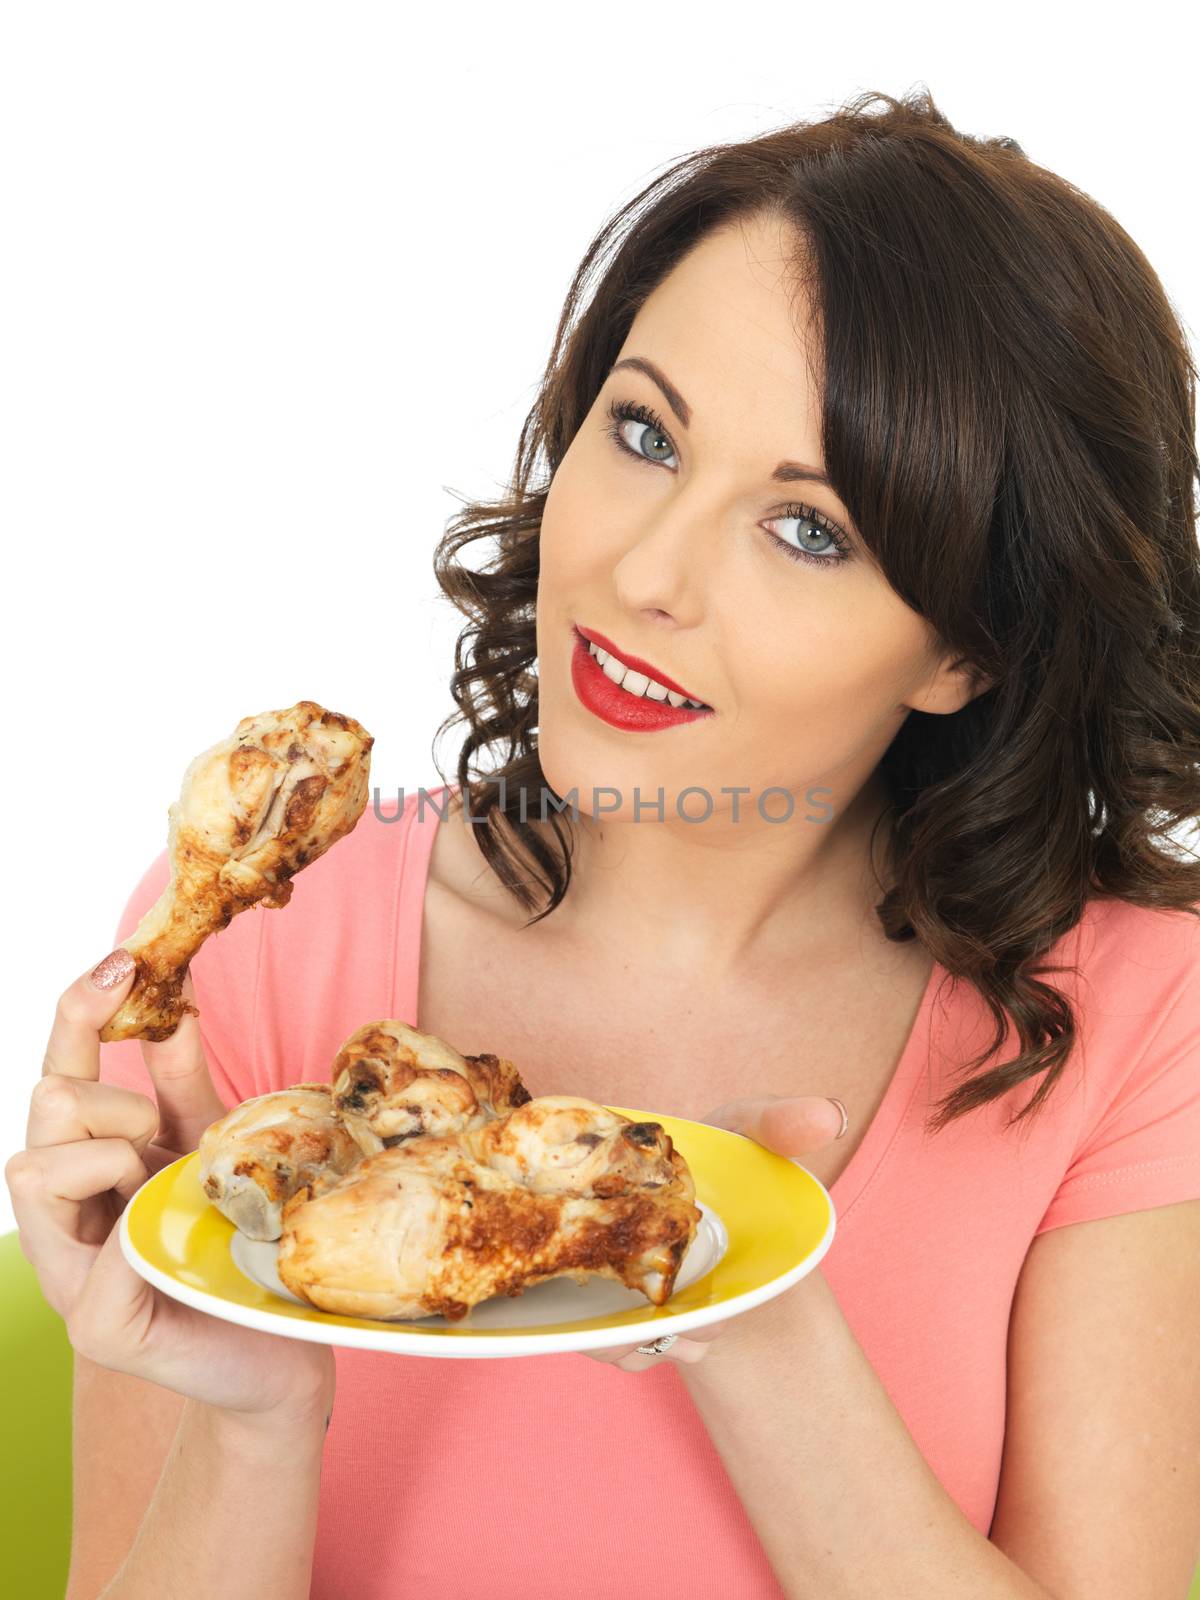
{"points": [[788, 1125]]}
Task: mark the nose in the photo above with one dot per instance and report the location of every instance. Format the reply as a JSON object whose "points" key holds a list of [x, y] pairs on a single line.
{"points": [[663, 573]]}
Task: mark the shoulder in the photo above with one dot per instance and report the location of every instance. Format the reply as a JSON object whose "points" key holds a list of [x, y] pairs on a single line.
{"points": [[1137, 1008], [1135, 956], [448, 839]]}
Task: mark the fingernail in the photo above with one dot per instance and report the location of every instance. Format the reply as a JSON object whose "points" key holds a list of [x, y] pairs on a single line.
{"points": [[844, 1114], [113, 969]]}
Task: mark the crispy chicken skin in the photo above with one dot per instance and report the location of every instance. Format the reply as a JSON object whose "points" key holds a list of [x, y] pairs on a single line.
{"points": [[252, 811], [561, 1143], [391, 1083], [257, 1155], [559, 1186]]}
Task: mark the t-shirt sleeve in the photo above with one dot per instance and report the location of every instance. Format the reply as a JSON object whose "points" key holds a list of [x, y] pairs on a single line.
{"points": [[1141, 1146], [224, 973]]}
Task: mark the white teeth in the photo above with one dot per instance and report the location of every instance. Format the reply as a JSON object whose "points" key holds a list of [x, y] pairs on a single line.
{"points": [[637, 683]]}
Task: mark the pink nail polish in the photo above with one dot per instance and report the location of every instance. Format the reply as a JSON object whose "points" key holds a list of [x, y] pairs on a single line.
{"points": [[113, 969]]}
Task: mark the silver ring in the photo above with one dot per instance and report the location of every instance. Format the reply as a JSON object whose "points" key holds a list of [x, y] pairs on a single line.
{"points": [[657, 1347]]}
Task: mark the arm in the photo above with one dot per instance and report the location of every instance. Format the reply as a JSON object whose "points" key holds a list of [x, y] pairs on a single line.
{"points": [[841, 1498], [1100, 1482], [235, 1511], [121, 1433], [1104, 1403]]}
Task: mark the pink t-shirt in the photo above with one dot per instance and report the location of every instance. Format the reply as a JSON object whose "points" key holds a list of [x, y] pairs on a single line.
{"points": [[523, 1475]]}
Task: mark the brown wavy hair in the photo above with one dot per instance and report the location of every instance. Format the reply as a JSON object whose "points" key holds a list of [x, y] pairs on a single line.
{"points": [[1008, 414]]}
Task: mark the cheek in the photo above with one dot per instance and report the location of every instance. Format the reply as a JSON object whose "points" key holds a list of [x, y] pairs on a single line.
{"points": [[831, 653], [581, 532]]}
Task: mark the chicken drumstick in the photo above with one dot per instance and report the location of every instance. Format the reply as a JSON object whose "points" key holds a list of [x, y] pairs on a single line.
{"points": [[252, 811], [560, 1186]]}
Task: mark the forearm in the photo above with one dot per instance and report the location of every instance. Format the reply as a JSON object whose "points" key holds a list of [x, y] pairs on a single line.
{"points": [[234, 1514], [844, 1504]]}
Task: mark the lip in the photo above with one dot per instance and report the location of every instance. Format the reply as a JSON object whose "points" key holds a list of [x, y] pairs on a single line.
{"points": [[638, 665], [605, 699]]}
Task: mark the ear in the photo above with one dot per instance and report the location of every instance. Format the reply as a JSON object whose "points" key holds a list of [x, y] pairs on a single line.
{"points": [[953, 682]]}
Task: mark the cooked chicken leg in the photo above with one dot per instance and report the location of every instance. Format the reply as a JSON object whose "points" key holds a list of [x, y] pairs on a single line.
{"points": [[564, 1144], [391, 1083], [257, 1155], [252, 811], [438, 1223]]}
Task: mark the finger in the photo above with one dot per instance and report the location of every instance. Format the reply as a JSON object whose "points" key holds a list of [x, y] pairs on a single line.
{"points": [[73, 1048], [691, 1348], [156, 1158], [688, 1349], [188, 1101], [709, 1332], [684, 1350], [113, 1311], [49, 1189], [614, 1355], [795, 1126], [790, 1125], [63, 1110]]}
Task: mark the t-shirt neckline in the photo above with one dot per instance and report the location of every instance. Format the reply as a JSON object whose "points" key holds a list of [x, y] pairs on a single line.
{"points": [[867, 1161]]}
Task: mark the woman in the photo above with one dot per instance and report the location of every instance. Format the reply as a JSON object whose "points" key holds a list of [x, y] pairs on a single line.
{"points": [[877, 441]]}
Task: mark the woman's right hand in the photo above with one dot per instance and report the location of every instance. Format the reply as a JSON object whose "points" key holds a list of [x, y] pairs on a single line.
{"points": [[89, 1146]]}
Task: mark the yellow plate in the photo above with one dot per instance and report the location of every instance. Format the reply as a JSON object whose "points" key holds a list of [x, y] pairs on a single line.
{"points": [[766, 1223]]}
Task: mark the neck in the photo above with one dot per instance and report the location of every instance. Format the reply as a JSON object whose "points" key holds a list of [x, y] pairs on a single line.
{"points": [[718, 899]]}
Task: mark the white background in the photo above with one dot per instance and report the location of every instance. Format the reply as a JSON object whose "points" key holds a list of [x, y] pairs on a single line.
{"points": [[278, 284]]}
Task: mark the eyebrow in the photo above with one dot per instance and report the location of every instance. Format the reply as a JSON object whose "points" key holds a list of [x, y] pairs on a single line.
{"points": [[785, 472]]}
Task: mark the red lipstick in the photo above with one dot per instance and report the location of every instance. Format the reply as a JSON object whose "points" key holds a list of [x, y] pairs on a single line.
{"points": [[616, 706]]}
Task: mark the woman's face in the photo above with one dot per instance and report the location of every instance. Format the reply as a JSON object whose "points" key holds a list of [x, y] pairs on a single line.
{"points": [[679, 546]]}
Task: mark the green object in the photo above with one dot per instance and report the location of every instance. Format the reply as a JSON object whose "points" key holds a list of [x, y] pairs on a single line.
{"points": [[35, 1470], [35, 1466]]}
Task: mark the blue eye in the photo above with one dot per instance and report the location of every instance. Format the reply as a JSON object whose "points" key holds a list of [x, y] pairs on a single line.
{"points": [[623, 411], [831, 554], [837, 548]]}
